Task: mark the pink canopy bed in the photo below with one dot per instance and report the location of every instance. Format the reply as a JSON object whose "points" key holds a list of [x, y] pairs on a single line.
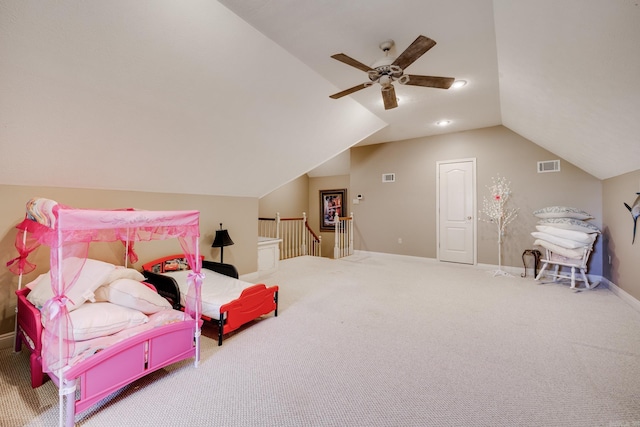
{"points": [[87, 367]]}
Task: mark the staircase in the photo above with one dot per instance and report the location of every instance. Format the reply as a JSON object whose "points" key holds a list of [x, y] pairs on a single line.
{"points": [[298, 238]]}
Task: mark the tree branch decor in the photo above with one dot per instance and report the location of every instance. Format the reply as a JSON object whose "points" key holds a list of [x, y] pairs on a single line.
{"points": [[495, 211]]}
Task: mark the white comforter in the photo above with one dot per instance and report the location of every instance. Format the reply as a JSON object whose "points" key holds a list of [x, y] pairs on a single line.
{"points": [[87, 348], [217, 290]]}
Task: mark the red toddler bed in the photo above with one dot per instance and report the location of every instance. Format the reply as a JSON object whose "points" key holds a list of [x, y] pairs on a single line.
{"points": [[226, 301], [83, 364]]}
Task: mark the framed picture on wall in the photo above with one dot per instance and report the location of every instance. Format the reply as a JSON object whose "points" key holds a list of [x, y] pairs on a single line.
{"points": [[332, 206]]}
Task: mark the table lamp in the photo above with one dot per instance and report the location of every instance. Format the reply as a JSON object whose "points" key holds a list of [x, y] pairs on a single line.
{"points": [[221, 240]]}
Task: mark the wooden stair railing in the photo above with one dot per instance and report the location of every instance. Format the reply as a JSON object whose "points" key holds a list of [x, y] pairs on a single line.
{"points": [[343, 237], [269, 227], [298, 238]]}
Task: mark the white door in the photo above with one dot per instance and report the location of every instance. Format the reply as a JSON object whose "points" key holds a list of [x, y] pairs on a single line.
{"points": [[456, 219]]}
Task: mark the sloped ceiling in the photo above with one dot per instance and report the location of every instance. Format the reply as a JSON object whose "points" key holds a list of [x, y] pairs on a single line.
{"points": [[161, 96], [194, 97], [466, 49], [569, 79], [563, 74]]}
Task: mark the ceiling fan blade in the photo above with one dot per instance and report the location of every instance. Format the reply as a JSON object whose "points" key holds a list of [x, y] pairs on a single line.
{"points": [[349, 91], [414, 51], [389, 97], [430, 81], [350, 61]]}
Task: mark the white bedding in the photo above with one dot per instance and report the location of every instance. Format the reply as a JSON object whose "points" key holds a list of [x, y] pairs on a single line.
{"points": [[87, 348], [217, 290], [570, 254]]}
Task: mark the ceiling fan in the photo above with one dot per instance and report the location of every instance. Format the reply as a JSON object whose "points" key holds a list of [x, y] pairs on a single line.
{"points": [[389, 69]]}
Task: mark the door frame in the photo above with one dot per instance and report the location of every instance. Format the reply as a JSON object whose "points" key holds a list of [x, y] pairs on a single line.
{"points": [[474, 208]]}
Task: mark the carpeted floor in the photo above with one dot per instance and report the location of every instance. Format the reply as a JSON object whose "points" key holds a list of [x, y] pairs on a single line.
{"points": [[382, 340]]}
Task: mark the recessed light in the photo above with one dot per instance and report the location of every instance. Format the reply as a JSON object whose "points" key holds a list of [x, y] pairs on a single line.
{"points": [[443, 122], [458, 84]]}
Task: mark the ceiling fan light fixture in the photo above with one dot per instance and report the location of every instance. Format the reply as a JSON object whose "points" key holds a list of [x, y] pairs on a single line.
{"points": [[385, 81], [458, 84]]}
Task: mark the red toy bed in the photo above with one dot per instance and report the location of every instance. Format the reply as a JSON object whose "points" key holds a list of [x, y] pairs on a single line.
{"points": [[226, 301], [102, 364]]}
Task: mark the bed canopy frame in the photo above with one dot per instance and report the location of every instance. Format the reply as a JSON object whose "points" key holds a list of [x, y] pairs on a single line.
{"points": [[68, 232]]}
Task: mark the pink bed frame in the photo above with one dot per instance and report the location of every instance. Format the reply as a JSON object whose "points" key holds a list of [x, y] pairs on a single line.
{"points": [[90, 380], [112, 368], [29, 331]]}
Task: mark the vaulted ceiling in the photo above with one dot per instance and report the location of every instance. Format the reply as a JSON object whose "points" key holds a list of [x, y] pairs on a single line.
{"points": [[563, 74], [232, 97]]}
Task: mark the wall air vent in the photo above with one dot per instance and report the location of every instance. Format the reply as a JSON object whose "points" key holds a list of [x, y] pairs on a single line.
{"points": [[388, 177], [549, 166]]}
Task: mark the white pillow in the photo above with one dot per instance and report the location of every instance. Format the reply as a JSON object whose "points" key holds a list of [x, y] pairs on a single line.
{"points": [[132, 294], [578, 236], [570, 224], [562, 212], [565, 243], [93, 274], [120, 272], [565, 252], [35, 281], [93, 320]]}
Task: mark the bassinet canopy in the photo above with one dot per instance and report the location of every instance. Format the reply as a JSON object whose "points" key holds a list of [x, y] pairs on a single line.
{"points": [[69, 231]]}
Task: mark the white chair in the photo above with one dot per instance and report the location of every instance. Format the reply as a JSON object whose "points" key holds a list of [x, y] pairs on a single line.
{"points": [[559, 262]]}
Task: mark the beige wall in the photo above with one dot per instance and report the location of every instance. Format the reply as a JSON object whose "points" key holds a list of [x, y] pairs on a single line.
{"points": [[618, 233], [406, 209], [238, 214], [290, 200]]}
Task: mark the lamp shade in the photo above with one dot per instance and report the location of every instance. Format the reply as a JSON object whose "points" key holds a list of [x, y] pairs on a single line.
{"points": [[222, 238]]}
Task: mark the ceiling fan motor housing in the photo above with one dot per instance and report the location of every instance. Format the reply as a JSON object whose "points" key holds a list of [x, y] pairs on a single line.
{"points": [[392, 71]]}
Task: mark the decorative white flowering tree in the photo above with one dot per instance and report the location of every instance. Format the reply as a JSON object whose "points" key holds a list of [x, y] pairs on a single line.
{"points": [[495, 211]]}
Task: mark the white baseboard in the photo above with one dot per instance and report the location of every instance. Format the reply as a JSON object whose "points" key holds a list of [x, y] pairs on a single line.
{"points": [[622, 294]]}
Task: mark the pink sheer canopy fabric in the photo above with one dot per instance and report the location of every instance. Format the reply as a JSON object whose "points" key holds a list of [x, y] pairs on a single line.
{"points": [[68, 232], [26, 242]]}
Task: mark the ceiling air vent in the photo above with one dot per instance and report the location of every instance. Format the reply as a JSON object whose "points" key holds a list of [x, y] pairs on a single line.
{"points": [[388, 177], [549, 166]]}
